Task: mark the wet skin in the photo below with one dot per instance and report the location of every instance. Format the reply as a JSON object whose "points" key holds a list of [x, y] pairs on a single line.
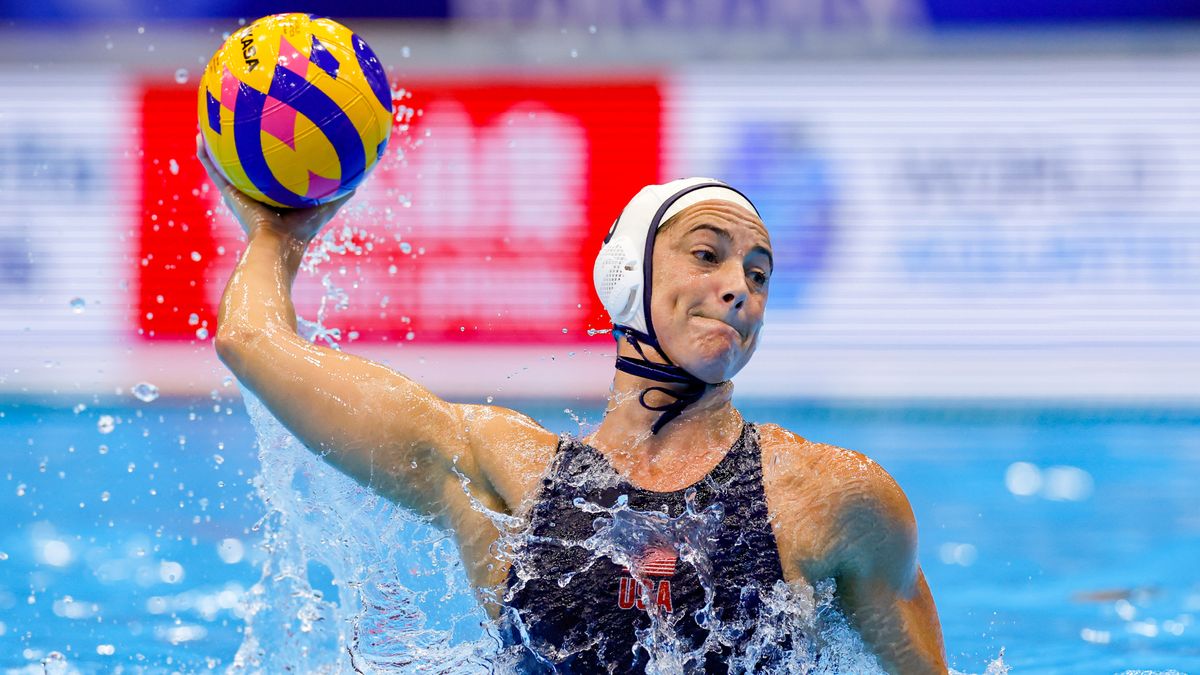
{"points": [[835, 513]]}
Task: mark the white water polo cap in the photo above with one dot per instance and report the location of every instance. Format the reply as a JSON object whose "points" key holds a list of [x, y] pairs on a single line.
{"points": [[623, 268]]}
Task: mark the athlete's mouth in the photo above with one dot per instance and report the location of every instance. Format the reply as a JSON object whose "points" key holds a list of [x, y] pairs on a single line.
{"points": [[723, 323]]}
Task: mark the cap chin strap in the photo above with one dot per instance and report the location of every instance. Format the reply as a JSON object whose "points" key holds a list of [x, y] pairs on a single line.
{"points": [[668, 372]]}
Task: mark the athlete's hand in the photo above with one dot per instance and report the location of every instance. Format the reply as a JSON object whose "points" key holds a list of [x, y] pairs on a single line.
{"points": [[303, 224]]}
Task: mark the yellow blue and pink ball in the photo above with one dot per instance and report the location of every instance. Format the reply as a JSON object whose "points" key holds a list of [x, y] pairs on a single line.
{"points": [[295, 110]]}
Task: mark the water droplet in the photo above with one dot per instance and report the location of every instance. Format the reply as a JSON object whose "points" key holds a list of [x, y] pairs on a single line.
{"points": [[181, 76], [145, 392], [409, 335], [218, 459], [405, 247], [193, 319], [405, 52], [574, 53], [103, 449], [564, 331], [202, 333], [131, 467], [105, 424], [79, 407], [173, 167], [105, 496], [490, 399], [392, 270], [3, 555], [195, 256], [54, 664], [592, 29], [77, 305]]}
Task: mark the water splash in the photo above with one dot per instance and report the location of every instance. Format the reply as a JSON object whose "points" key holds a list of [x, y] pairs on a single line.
{"points": [[798, 628], [344, 241], [370, 611]]}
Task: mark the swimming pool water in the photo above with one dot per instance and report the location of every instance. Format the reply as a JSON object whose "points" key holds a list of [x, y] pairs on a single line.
{"points": [[1069, 537]]}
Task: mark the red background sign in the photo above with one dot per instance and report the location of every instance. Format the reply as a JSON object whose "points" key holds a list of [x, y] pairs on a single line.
{"points": [[482, 222]]}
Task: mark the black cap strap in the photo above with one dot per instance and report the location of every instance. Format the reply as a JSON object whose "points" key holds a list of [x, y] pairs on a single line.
{"points": [[668, 372]]}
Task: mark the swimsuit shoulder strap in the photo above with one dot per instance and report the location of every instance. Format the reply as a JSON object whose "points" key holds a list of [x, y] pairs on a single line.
{"points": [[743, 459]]}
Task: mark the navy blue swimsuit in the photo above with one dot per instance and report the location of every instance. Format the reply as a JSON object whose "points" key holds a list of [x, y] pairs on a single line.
{"points": [[590, 623]]}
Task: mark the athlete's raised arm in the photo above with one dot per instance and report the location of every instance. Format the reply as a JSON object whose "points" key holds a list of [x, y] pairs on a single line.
{"points": [[381, 428]]}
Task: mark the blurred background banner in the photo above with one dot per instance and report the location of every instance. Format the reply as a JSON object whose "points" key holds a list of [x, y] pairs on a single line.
{"points": [[1002, 227], [985, 222], [952, 216], [66, 228]]}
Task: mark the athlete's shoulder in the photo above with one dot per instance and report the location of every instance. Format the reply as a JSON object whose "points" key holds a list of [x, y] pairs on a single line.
{"points": [[861, 503], [787, 452]]}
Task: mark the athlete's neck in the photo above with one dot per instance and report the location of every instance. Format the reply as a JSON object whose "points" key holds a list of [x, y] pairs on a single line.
{"points": [[711, 422]]}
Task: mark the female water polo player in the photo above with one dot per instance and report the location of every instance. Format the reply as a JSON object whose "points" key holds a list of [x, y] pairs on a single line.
{"points": [[750, 510]]}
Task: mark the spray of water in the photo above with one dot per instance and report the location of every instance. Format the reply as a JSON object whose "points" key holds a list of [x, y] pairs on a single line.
{"points": [[321, 523]]}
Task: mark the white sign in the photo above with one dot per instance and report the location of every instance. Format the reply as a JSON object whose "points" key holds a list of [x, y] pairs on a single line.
{"points": [[990, 228]]}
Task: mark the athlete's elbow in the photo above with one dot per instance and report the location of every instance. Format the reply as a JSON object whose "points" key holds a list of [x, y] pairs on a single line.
{"points": [[234, 344]]}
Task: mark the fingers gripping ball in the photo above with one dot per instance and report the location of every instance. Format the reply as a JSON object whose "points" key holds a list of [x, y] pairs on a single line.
{"points": [[295, 110]]}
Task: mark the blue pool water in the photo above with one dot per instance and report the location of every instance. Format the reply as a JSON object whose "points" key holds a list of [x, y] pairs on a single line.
{"points": [[1068, 537]]}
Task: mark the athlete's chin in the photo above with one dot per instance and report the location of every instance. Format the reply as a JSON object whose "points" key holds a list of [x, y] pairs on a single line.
{"points": [[716, 366]]}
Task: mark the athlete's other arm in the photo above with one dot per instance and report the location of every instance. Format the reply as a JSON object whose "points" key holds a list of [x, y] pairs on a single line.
{"points": [[879, 581], [379, 427]]}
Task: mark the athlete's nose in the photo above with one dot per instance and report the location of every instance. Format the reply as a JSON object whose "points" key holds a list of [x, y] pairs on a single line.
{"points": [[736, 290]]}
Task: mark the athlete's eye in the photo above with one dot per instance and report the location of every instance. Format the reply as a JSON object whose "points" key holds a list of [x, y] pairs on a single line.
{"points": [[705, 255], [759, 277]]}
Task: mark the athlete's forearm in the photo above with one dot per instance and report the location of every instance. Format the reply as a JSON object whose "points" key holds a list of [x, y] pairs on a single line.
{"points": [[257, 298]]}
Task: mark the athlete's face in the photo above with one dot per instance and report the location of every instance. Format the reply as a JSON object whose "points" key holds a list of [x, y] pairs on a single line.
{"points": [[712, 265]]}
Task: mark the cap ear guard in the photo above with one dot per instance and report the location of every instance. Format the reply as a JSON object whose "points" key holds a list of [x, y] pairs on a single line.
{"points": [[618, 278]]}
